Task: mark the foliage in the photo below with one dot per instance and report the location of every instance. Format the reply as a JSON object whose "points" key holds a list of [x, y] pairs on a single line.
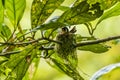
{"points": [[20, 47]]}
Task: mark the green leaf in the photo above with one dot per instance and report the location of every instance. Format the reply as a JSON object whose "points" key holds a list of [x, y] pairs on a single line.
{"points": [[110, 72], [36, 61], [23, 32], [76, 15], [1, 13], [15, 10], [63, 8], [24, 65], [80, 38], [50, 33], [115, 42], [66, 68], [42, 9], [19, 63], [21, 69], [81, 13], [50, 25], [104, 4], [114, 11], [3, 59], [5, 32], [96, 48], [15, 59]]}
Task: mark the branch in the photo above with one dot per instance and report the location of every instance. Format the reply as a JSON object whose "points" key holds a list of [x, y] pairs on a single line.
{"points": [[96, 41], [51, 48]]}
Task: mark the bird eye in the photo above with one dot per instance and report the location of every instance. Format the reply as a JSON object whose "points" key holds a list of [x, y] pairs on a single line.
{"points": [[65, 29]]}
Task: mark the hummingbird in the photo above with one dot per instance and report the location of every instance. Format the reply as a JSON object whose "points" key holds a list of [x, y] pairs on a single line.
{"points": [[67, 50]]}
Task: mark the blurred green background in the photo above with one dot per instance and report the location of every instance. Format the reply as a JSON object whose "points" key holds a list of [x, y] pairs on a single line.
{"points": [[89, 62]]}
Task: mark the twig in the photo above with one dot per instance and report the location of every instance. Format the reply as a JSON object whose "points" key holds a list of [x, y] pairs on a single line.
{"points": [[20, 30], [20, 43], [52, 40], [29, 42], [46, 48], [15, 52], [93, 30], [9, 53], [96, 41]]}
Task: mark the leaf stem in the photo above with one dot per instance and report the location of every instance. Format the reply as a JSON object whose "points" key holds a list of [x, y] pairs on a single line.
{"points": [[89, 28]]}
